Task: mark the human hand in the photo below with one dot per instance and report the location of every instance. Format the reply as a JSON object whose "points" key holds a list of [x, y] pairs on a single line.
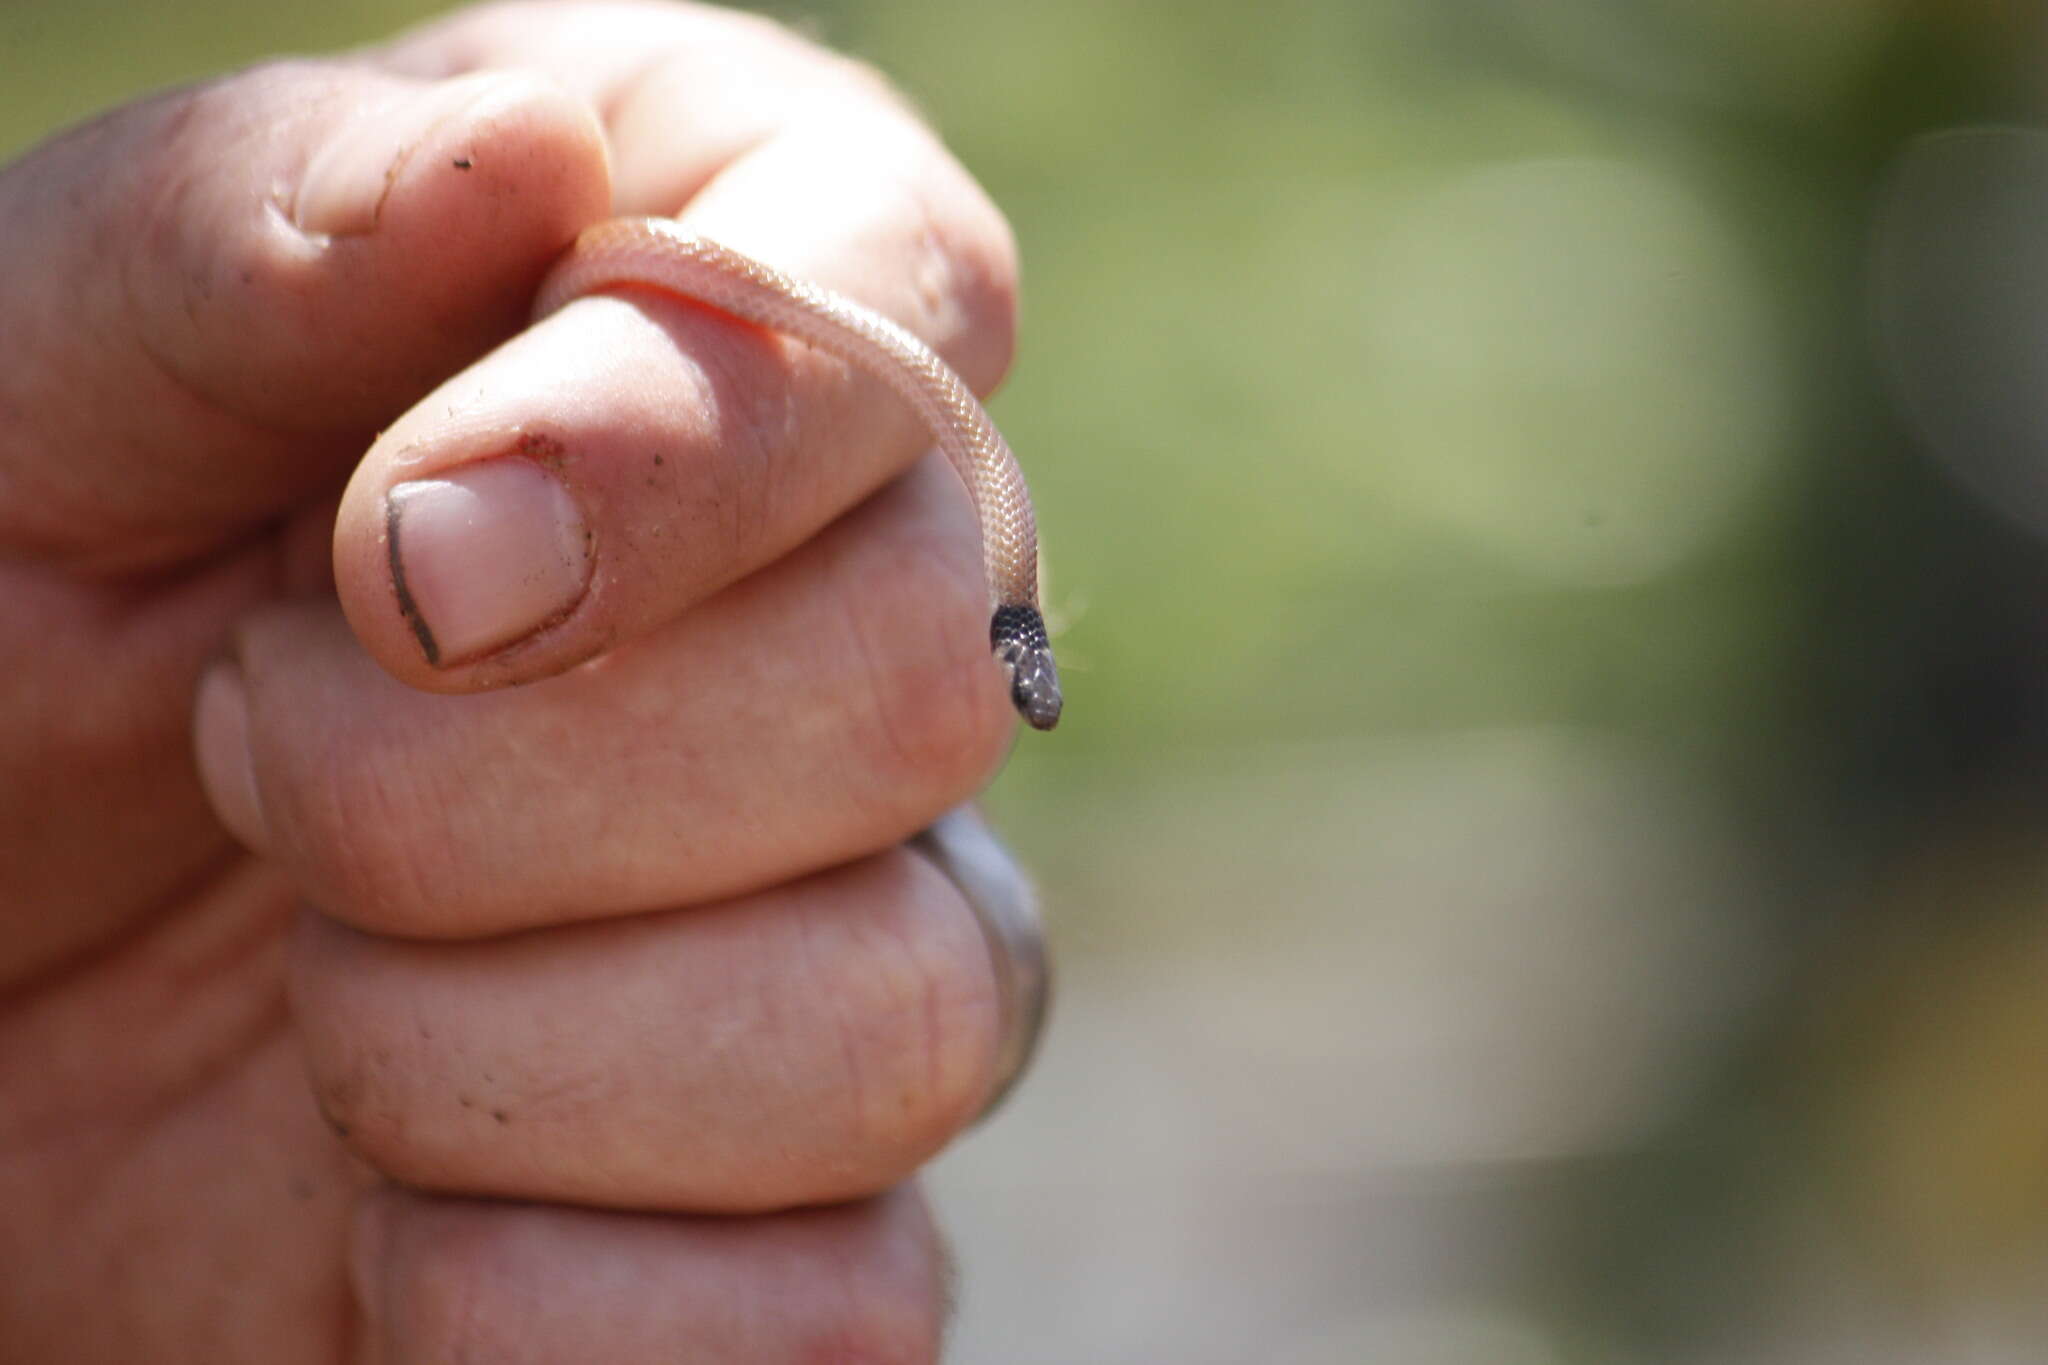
{"points": [[592, 957]]}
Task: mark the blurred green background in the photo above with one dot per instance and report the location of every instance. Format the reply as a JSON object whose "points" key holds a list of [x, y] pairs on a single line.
{"points": [[1540, 501]]}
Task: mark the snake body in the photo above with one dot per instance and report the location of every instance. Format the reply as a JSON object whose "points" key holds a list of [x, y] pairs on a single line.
{"points": [[659, 254]]}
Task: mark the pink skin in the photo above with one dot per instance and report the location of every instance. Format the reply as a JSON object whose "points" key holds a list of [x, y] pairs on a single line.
{"points": [[291, 292]]}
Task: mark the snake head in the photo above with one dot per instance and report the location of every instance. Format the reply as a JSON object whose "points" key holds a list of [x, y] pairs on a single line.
{"points": [[1017, 634]]}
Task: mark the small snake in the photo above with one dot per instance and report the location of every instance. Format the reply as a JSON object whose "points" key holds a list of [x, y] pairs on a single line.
{"points": [[657, 253]]}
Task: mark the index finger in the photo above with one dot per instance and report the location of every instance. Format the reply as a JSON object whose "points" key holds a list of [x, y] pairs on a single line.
{"points": [[209, 299]]}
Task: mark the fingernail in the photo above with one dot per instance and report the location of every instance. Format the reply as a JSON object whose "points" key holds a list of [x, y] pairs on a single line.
{"points": [[484, 555], [345, 183], [221, 722]]}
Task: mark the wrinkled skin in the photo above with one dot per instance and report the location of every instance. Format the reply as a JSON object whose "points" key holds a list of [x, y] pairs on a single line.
{"points": [[359, 1008]]}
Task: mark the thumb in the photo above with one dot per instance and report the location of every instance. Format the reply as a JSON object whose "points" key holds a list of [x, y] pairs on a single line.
{"points": [[212, 300]]}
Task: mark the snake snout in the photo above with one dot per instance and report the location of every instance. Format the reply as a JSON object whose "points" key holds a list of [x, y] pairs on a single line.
{"points": [[1017, 633], [1035, 689]]}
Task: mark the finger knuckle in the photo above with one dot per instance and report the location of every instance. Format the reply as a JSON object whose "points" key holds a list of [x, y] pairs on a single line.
{"points": [[884, 1332], [940, 727], [360, 831], [452, 1306], [981, 268], [201, 256], [891, 1301], [915, 1016]]}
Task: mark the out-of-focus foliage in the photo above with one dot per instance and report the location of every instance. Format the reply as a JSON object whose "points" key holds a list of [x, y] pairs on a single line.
{"points": [[1544, 840]]}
